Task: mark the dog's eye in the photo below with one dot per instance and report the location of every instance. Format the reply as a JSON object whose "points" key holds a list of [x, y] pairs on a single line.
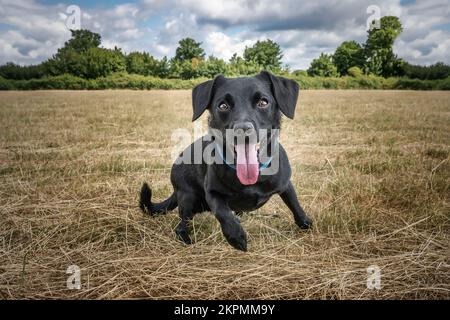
{"points": [[223, 107], [262, 103]]}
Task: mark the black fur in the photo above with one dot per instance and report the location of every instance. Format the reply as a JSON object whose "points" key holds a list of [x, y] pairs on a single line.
{"points": [[147, 206], [215, 187]]}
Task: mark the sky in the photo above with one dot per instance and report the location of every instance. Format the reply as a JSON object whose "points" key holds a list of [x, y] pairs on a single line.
{"points": [[31, 31]]}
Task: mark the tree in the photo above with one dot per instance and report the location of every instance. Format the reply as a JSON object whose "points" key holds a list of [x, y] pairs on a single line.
{"points": [[300, 73], [71, 57], [202, 68], [378, 48], [235, 59], [141, 63], [82, 40], [348, 54], [189, 69], [266, 54], [14, 71], [213, 67], [162, 68], [101, 62], [323, 66], [188, 49], [354, 72], [67, 60], [435, 71], [238, 66]]}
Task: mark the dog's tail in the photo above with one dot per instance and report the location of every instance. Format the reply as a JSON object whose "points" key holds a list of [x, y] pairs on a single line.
{"points": [[146, 205]]}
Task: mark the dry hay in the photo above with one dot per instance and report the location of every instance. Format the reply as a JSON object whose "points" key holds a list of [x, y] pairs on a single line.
{"points": [[371, 167]]}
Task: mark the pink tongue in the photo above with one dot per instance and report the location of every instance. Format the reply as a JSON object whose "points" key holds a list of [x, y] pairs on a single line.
{"points": [[247, 163]]}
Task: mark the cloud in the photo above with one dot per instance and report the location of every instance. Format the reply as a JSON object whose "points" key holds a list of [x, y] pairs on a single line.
{"points": [[35, 31], [305, 29], [428, 49], [422, 41], [32, 30], [223, 46], [268, 15]]}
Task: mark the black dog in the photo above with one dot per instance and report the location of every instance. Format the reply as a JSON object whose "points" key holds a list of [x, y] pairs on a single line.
{"points": [[246, 106]]}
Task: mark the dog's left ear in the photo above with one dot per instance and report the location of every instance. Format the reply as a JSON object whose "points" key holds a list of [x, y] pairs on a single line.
{"points": [[285, 92], [202, 95]]}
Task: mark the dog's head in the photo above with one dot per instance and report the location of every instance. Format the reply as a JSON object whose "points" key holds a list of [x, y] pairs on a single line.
{"points": [[247, 107]]}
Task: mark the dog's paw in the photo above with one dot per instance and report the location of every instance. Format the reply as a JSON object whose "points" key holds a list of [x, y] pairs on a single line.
{"points": [[305, 223], [183, 236], [235, 234]]}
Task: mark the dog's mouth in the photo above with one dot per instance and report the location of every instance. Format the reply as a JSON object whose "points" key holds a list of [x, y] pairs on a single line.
{"points": [[247, 164], [249, 154]]}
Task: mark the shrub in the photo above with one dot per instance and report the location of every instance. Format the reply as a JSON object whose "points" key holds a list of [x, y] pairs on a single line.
{"points": [[13, 71], [189, 69], [348, 54], [323, 67], [370, 82], [389, 83], [300, 73], [123, 80], [5, 84], [414, 84], [212, 67], [101, 62], [354, 72], [240, 67], [444, 84], [436, 71], [65, 81]]}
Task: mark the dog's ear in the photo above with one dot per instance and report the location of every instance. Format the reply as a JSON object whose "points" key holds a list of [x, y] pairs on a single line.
{"points": [[285, 92], [202, 95]]}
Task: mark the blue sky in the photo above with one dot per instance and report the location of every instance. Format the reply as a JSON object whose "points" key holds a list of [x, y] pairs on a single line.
{"points": [[31, 31]]}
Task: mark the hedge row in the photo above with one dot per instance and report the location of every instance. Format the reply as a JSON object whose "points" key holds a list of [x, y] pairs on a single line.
{"points": [[371, 82], [138, 82], [115, 81]]}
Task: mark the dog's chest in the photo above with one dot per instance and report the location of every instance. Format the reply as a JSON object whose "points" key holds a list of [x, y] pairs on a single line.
{"points": [[248, 200]]}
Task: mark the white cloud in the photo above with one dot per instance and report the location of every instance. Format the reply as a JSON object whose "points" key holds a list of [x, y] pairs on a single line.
{"points": [[422, 42], [123, 10], [428, 49], [36, 32], [223, 46], [32, 31]]}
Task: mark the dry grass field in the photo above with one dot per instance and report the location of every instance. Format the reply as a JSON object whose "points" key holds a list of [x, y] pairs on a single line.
{"points": [[371, 167]]}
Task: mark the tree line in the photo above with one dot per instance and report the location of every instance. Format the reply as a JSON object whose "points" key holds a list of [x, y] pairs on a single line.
{"points": [[376, 56], [82, 56]]}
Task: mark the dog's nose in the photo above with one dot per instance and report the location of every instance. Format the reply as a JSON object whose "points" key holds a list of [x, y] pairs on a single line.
{"points": [[244, 128]]}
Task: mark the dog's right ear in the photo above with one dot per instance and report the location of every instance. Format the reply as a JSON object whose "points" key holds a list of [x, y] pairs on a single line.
{"points": [[285, 92], [202, 95]]}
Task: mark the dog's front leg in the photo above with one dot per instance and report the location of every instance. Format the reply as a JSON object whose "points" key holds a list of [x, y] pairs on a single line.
{"points": [[231, 227], [289, 197]]}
